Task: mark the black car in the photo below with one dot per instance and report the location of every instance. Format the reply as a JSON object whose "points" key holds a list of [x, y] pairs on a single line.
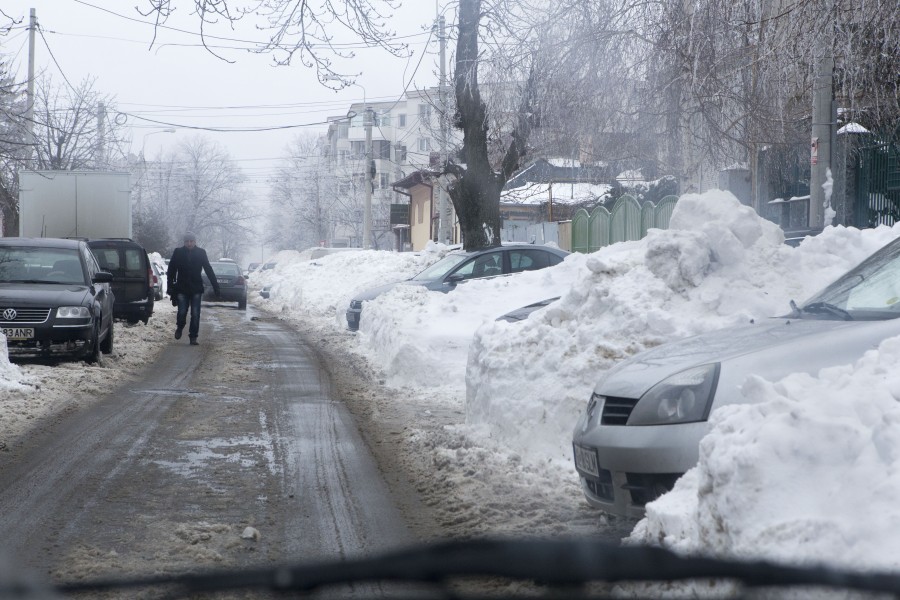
{"points": [[132, 276], [462, 265], [55, 301], [232, 285]]}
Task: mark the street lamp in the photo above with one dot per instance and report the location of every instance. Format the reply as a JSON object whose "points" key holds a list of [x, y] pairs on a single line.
{"points": [[368, 174], [144, 143]]}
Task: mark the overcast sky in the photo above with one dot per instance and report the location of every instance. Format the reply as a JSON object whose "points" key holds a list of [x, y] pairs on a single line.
{"points": [[177, 83]]}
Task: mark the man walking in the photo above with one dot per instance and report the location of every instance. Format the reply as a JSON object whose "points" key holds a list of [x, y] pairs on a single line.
{"points": [[186, 284]]}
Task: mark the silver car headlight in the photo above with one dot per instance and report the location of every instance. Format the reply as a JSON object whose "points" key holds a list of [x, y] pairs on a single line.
{"points": [[72, 312], [684, 397]]}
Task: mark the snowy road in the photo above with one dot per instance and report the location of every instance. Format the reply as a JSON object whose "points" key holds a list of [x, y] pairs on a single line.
{"points": [[236, 452]]}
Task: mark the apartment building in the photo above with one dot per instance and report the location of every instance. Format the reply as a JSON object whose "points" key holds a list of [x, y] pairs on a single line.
{"points": [[405, 137]]}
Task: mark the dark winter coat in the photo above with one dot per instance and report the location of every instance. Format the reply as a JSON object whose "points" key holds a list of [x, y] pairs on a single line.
{"points": [[184, 273]]}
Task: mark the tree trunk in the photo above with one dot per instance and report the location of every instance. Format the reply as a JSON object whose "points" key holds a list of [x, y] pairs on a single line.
{"points": [[476, 193]]}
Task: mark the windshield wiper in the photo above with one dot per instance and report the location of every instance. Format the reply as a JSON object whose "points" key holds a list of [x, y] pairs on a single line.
{"points": [[821, 308], [549, 562]]}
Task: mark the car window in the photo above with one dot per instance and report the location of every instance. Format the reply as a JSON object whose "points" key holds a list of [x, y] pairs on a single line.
{"points": [[529, 260], [441, 267], [226, 269], [485, 265], [128, 262], [869, 291], [134, 261]]}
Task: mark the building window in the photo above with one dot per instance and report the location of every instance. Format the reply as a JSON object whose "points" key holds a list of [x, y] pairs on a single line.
{"points": [[358, 149], [385, 180], [424, 113], [381, 149], [401, 153], [424, 144], [382, 118], [401, 120]]}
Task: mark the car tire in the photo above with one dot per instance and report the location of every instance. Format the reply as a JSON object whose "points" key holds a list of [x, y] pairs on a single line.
{"points": [[242, 304], [106, 346], [92, 353]]}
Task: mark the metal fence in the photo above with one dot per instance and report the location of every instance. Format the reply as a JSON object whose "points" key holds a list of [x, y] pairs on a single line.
{"points": [[628, 220], [878, 184]]}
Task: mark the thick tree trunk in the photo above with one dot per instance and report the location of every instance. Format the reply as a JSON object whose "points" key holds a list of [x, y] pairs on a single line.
{"points": [[476, 194]]}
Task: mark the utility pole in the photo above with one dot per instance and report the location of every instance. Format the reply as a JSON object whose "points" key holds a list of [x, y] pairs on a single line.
{"points": [[369, 180], [29, 101], [822, 128], [444, 213], [100, 158]]}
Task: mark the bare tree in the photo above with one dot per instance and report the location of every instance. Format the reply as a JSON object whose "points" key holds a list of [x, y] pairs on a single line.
{"points": [[202, 192], [72, 130], [304, 201], [295, 29], [12, 148]]}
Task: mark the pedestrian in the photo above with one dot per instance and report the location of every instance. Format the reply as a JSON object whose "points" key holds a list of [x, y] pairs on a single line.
{"points": [[185, 284]]}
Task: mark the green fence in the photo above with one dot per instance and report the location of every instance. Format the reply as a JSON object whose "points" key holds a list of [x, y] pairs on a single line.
{"points": [[628, 220], [878, 185]]}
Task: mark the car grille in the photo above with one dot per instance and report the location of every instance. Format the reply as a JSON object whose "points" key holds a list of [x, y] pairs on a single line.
{"points": [[602, 487], [25, 315], [617, 410], [647, 487]]}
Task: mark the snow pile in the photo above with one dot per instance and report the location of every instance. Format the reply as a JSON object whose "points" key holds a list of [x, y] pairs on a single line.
{"points": [[11, 376], [719, 265], [809, 473]]}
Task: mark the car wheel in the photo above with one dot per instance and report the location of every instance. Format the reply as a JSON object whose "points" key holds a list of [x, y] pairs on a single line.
{"points": [[106, 346], [242, 304], [92, 352]]}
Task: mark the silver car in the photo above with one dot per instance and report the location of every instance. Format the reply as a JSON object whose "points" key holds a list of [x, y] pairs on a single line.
{"points": [[643, 424]]}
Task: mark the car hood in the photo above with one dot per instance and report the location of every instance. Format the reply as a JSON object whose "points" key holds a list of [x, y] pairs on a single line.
{"points": [[42, 294], [372, 293], [772, 348]]}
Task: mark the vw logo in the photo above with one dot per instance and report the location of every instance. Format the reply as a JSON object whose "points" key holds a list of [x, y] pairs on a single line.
{"points": [[9, 314]]}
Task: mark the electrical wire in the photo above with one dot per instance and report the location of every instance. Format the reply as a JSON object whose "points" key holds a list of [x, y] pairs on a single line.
{"points": [[53, 57]]}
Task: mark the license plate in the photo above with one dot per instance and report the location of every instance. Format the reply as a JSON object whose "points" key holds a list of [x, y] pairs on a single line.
{"points": [[18, 333], [586, 461]]}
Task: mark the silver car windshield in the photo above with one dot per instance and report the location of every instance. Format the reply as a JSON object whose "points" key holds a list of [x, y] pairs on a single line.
{"points": [[869, 291], [441, 267]]}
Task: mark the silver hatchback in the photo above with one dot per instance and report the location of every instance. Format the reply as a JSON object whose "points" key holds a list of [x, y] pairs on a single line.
{"points": [[642, 426]]}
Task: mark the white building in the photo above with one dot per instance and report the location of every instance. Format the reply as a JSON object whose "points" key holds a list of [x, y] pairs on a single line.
{"points": [[405, 138]]}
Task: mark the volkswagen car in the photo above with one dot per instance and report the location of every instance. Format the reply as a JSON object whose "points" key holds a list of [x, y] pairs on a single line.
{"points": [[55, 301], [462, 265], [642, 426]]}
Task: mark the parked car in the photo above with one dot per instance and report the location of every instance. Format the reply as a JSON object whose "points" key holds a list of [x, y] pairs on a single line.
{"points": [[232, 285], [643, 424], [461, 265], [160, 281], [132, 276], [250, 268], [55, 301], [522, 313]]}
